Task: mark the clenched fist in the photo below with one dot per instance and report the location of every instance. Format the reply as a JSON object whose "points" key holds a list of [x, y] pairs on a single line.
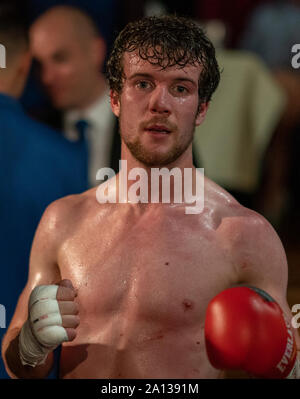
{"points": [[52, 319]]}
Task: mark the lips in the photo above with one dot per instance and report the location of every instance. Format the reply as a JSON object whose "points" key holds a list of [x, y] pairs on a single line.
{"points": [[159, 129]]}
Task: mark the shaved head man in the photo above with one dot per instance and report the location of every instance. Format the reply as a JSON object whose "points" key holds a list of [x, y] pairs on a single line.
{"points": [[70, 52]]}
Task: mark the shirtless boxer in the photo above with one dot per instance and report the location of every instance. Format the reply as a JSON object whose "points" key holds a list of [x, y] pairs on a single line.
{"points": [[141, 277]]}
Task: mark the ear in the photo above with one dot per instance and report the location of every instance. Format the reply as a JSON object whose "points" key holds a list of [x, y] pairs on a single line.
{"points": [[202, 113], [115, 102]]}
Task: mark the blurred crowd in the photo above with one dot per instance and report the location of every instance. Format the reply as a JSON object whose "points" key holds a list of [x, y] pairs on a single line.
{"points": [[57, 129]]}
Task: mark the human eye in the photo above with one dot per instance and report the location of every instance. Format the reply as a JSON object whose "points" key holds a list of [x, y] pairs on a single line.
{"points": [[143, 85], [179, 89]]}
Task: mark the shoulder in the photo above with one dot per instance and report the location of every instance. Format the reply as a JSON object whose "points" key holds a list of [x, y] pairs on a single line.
{"points": [[232, 215], [69, 213], [44, 131], [61, 220], [247, 235], [36, 136], [252, 245], [37, 131], [62, 215], [247, 229]]}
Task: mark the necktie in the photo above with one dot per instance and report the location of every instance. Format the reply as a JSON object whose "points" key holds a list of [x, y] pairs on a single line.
{"points": [[82, 126]]}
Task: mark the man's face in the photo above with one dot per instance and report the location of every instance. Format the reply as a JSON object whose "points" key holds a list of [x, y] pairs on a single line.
{"points": [[157, 110], [67, 66]]}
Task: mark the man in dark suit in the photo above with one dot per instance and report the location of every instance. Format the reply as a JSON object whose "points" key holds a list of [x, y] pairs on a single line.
{"points": [[37, 166], [70, 53]]}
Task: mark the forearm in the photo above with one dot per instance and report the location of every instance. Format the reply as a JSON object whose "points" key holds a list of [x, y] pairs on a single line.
{"points": [[12, 361]]}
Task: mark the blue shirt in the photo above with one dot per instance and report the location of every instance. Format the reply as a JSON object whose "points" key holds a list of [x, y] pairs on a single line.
{"points": [[37, 166]]}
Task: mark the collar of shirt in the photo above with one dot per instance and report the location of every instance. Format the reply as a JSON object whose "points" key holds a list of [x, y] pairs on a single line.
{"points": [[99, 135], [98, 115]]}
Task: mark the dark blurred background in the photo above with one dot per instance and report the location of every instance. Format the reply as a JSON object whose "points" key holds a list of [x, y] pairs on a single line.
{"points": [[250, 142]]}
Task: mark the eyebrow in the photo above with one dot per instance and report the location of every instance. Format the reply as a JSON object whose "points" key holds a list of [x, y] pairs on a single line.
{"points": [[149, 76]]}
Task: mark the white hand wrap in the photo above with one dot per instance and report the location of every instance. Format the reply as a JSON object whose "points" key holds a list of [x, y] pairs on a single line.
{"points": [[43, 330]]}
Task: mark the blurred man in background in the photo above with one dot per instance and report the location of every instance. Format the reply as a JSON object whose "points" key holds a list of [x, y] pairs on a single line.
{"points": [[37, 165], [70, 53]]}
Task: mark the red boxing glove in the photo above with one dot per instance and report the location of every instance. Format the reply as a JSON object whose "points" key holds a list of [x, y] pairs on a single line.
{"points": [[245, 329]]}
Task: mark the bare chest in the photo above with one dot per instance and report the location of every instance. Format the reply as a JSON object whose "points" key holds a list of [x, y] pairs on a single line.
{"points": [[158, 270]]}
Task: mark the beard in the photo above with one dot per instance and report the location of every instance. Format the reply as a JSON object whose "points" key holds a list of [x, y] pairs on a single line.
{"points": [[155, 158]]}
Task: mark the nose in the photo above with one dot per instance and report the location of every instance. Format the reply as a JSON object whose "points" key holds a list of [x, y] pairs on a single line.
{"points": [[160, 102]]}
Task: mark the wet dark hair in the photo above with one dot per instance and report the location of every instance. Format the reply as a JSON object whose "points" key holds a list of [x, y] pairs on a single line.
{"points": [[166, 41]]}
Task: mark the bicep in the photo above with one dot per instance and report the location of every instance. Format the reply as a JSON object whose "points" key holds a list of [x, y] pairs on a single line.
{"points": [[266, 267]]}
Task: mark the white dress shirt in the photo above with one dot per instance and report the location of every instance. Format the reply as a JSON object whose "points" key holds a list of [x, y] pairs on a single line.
{"points": [[99, 134]]}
